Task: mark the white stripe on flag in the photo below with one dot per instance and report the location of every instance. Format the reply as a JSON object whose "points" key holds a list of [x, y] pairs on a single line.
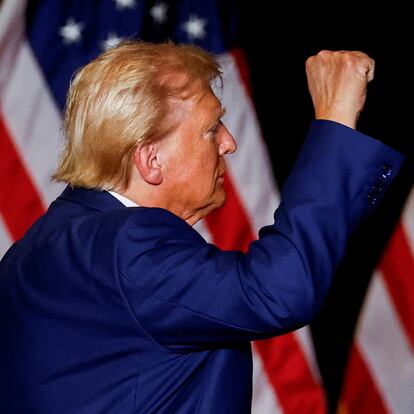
{"points": [[34, 121], [264, 399], [305, 339], [202, 229], [5, 239], [249, 166], [11, 33], [386, 349], [408, 221]]}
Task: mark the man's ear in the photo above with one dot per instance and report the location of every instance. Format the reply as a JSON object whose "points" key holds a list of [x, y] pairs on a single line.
{"points": [[147, 163]]}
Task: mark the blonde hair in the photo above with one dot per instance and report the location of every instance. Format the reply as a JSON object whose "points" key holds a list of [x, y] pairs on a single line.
{"points": [[118, 101]]}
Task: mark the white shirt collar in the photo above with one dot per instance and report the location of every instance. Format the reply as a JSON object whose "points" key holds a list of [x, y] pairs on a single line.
{"points": [[124, 200]]}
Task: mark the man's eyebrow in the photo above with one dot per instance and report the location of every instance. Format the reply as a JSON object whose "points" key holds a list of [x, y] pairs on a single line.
{"points": [[218, 118], [220, 115]]}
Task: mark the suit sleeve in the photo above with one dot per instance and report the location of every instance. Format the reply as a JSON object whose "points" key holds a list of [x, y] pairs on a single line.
{"points": [[188, 294]]}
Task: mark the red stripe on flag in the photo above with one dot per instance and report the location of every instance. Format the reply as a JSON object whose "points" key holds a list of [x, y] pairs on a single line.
{"points": [[360, 394], [230, 226], [243, 68], [20, 204], [284, 361], [397, 266], [290, 376]]}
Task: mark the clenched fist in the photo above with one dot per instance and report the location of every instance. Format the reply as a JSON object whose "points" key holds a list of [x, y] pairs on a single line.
{"points": [[337, 83]]}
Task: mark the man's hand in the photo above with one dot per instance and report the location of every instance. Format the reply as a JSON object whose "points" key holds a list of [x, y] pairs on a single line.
{"points": [[337, 82]]}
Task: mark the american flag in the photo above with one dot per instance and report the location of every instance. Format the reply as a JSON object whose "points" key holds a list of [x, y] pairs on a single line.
{"points": [[380, 372], [43, 42]]}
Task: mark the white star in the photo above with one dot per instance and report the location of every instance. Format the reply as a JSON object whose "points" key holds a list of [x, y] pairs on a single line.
{"points": [[71, 32], [195, 27], [159, 12], [111, 41], [125, 4]]}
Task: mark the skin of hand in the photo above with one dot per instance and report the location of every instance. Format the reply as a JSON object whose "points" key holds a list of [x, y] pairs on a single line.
{"points": [[337, 82]]}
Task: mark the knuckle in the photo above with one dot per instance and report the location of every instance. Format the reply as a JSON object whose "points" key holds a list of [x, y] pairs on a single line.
{"points": [[324, 54], [309, 62], [349, 59], [353, 61]]}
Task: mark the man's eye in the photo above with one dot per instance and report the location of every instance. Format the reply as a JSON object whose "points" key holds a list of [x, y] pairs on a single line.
{"points": [[214, 130]]}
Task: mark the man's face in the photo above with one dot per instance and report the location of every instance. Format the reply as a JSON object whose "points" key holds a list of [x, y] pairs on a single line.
{"points": [[193, 156]]}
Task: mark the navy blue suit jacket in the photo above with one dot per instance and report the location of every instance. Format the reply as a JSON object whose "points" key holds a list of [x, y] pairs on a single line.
{"points": [[108, 309]]}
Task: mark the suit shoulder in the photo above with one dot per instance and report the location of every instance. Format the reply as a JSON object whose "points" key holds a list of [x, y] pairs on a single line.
{"points": [[157, 223]]}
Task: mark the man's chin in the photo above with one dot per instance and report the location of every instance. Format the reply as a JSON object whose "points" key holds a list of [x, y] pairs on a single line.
{"points": [[221, 199]]}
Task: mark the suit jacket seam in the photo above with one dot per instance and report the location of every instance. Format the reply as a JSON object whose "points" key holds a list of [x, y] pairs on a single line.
{"points": [[131, 313], [194, 311]]}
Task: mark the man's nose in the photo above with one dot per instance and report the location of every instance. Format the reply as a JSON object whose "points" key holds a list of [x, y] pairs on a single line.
{"points": [[227, 143]]}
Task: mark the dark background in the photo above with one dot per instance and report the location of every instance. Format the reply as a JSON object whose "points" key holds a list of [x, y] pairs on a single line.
{"points": [[277, 40]]}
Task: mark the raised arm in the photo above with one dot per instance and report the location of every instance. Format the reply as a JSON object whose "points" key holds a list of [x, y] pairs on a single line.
{"points": [[189, 294]]}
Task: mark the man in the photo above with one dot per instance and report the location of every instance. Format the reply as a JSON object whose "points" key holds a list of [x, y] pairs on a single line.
{"points": [[108, 309]]}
